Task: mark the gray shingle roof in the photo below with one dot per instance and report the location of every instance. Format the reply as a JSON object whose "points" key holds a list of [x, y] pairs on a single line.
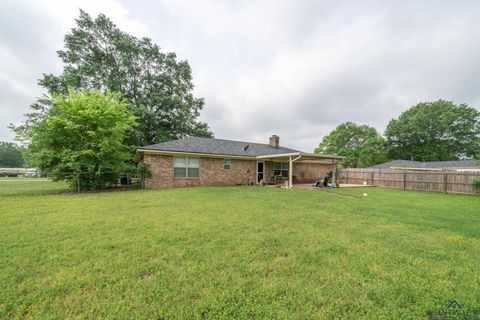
{"points": [[427, 165], [218, 146]]}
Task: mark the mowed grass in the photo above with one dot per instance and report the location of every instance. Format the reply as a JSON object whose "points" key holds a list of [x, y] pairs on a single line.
{"points": [[29, 186], [235, 253]]}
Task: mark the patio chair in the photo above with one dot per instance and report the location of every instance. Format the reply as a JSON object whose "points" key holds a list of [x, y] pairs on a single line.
{"points": [[319, 183], [325, 181]]}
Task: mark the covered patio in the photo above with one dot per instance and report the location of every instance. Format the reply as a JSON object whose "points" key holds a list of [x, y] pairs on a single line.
{"points": [[306, 167]]}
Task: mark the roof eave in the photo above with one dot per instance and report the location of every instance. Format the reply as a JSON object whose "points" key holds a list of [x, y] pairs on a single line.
{"points": [[140, 151], [279, 155], [194, 154], [322, 156], [137, 157], [415, 169], [302, 154]]}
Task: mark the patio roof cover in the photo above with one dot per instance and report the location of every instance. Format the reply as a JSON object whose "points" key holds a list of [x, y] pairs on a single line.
{"points": [[302, 156]]}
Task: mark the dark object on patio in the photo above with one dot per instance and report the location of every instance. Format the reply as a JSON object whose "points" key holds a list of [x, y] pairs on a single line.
{"points": [[126, 180], [325, 181], [330, 174], [320, 183]]}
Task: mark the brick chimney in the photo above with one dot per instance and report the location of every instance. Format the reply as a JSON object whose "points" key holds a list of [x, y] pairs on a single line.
{"points": [[275, 141]]}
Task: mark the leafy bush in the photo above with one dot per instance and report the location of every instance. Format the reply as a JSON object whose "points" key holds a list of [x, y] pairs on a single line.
{"points": [[476, 184], [81, 139]]}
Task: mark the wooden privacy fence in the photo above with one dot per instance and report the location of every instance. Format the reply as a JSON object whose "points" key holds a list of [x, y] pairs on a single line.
{"points": [[434, 181]]}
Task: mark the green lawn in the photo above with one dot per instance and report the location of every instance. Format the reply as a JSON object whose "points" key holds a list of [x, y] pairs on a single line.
{"points": [[29, 186], [235, 253]]}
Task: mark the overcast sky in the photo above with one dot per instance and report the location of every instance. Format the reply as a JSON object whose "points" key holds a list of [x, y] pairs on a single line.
{"points": [[292, 68]]}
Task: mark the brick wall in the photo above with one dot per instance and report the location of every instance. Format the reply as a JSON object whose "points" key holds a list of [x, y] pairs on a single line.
{"points": [[268, 171], [304, 172], [309, 172], [211, 172]]}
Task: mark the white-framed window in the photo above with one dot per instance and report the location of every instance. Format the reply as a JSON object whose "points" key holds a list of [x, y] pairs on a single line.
{"points": [[186, 168], [280, 169], [226, 164]]}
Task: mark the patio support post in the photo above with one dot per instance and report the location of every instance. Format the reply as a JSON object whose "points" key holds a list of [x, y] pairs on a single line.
{"points": [[290, 172], [334, 170]]}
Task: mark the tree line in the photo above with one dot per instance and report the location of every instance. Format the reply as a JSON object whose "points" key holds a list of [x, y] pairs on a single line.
{"points": [[117, 92], [11, 155], [428, 131]]}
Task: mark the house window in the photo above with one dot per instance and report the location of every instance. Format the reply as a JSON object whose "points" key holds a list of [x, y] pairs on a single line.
{"points": [[280, 169], [226, 165], [187, 168]]}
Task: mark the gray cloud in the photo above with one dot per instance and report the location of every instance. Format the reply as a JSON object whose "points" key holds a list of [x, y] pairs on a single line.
{"points": [[294, 68]]}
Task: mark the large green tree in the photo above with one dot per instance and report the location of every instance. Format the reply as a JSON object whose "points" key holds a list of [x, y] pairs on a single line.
{"points": [[10, 155], [435, 131], [81, 138], [158, 88], [361, 145]]}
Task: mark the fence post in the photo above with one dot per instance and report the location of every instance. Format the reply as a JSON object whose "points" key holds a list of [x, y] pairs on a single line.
{"points": [[78, 185], [347, 176], [445, 182], [372, 177], [404, 180]]}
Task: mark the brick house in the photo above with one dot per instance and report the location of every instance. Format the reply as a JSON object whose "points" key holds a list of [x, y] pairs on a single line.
{"points": [[205, 162]]}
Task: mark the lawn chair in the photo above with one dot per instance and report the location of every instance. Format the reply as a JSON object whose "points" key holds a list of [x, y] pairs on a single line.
{"points": [[319, 183], [325, 182]]}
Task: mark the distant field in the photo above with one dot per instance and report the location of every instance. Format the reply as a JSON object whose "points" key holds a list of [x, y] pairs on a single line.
{"points": [[235, 253]]}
